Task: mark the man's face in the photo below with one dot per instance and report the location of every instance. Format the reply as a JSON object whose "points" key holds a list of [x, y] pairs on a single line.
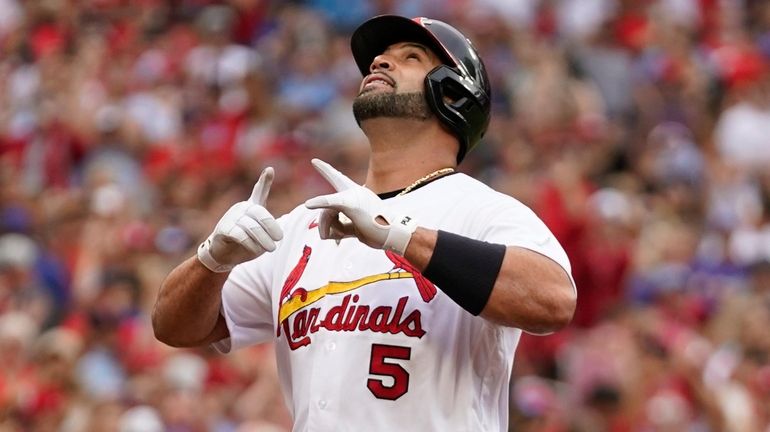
{"points": [[395, 85]]}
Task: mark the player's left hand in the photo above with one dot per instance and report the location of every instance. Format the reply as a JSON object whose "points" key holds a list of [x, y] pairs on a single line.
{"points": [[355, 211]]}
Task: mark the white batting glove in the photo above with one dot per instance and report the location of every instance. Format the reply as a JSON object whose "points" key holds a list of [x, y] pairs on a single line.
{"points": [[355, 211], [245, 231]]}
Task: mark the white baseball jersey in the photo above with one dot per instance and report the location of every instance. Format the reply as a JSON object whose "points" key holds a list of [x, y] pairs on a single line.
{"points": [[363, 341]]}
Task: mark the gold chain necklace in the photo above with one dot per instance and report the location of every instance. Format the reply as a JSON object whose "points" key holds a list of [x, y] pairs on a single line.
{"points": [[428, 177]]}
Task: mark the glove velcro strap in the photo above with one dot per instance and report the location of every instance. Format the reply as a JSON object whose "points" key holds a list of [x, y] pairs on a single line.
{"points": [[400, 234], [204, 256]]}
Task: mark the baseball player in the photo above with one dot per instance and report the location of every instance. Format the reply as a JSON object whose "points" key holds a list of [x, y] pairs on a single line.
{"points": [[397, 304]]}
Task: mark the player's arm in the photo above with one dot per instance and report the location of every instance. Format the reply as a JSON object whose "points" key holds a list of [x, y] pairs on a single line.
{"points": [[187, 310], [511, 286]]}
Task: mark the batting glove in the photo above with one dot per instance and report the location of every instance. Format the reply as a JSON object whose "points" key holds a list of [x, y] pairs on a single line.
{"points": [[245, 231], [355, 211]]}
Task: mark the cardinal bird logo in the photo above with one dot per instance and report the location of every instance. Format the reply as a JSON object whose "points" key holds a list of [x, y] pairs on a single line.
{"points": [[296, 301]]}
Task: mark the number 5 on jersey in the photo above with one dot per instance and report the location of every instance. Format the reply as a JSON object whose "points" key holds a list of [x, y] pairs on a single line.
{"points": [[379, 365]]}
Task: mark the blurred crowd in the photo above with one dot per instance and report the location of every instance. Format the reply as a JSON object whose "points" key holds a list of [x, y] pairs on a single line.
{"points": [[639, 130]]}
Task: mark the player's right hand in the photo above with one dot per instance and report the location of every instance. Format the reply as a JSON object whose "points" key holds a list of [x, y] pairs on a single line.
{"points": [[367, 217], [245, 231]]}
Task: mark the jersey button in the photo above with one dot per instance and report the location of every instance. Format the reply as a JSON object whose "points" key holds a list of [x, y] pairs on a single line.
{"points": [[322, 404], [331, 346], [348, 265]]}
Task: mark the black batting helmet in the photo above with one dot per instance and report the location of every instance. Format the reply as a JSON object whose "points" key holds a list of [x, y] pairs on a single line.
{"points": [[457, 91]]}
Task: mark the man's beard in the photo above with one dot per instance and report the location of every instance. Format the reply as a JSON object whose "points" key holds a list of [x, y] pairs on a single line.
{"points": [[399, 105]]}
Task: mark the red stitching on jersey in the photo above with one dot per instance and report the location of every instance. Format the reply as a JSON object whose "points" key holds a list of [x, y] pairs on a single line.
{"points": [[349, 316], [298, 319]]}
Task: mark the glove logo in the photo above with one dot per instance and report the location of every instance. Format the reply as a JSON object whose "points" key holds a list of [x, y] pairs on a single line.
{"points": [[298, 320], [405, 220]]}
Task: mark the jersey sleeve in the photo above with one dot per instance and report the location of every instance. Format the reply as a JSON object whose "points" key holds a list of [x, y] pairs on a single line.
{"points": [[246, 305], [511, 223]]}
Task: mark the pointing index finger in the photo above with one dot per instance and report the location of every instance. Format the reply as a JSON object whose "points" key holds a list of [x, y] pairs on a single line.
{"points": [[262, 188], [338, 180]]}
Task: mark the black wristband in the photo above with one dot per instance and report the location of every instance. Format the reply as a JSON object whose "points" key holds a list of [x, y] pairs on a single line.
{"points": [[465, 269]]}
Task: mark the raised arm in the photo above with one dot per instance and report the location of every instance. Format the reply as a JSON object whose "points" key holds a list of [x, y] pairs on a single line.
{"points": [[511, 286], [186, 312]]}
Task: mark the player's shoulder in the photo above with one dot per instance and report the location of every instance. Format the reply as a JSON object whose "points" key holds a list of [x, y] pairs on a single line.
{"points": [[475, 199], [472, 190], [459, 183]]}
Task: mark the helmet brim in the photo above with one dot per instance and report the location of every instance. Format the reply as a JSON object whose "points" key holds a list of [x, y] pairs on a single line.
{"points": [[374, 36]]}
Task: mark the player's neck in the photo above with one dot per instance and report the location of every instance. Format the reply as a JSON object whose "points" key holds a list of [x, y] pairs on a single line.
{"points": [[404, 150], [393, 132], [397, 164]]}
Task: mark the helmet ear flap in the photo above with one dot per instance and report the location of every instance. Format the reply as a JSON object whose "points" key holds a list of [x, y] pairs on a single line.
{"points": [[459, 104]]}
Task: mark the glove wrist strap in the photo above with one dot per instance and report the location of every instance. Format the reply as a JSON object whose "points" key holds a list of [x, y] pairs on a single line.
{"points": [[204, 256], [399, 235]]}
